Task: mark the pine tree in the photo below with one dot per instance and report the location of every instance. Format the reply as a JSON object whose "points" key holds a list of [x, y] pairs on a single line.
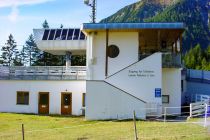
{"points": [[23, 55], [9, 51], [32, 52], [45, 24]]}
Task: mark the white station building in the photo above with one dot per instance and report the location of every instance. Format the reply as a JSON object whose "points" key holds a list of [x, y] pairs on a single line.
{"points": [[130, 66]]}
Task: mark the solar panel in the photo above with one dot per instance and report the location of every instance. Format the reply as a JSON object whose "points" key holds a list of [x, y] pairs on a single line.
{"points": [[82, 36], [63, 34], [70, 34], [45, 36], [76, 34], [58, 34], [52, 34]]}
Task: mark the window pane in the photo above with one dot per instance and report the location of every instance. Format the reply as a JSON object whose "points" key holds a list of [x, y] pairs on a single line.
{"points": [[70, 34], [58, 34], [66, 99], [23, 98], [44, 100], [64, 33], [52, 34], [76, 34], [165, 98], [45, 36]]}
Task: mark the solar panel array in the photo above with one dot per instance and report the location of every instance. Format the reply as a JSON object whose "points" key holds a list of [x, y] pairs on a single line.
{"points": [[63, 34]]}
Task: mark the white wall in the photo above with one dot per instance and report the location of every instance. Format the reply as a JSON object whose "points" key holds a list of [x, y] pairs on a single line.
{"points": [[9, 88], [107, 102], [172, 86], [141, 79], [128, 45]]}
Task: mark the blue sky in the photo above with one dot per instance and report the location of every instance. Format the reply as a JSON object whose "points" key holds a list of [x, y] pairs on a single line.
{"points": [[19, 17]]}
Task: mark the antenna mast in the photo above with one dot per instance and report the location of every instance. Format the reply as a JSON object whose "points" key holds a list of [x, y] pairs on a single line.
{"points": [[92, 4]]}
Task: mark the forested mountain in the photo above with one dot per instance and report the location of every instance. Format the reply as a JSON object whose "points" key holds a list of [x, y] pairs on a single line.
{"points": [[194, 13]]}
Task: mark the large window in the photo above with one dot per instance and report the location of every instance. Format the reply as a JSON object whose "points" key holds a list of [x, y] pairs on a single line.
{"points": [[22, 97], [165, 99]]}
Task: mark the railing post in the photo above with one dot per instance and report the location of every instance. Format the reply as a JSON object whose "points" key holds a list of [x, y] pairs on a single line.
{"points": [[206, 111], [164, 114], [190, 110]]}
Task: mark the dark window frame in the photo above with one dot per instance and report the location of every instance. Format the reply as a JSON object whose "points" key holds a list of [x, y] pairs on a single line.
{"points": [[167, 97], [23, 101], [113, 51]]}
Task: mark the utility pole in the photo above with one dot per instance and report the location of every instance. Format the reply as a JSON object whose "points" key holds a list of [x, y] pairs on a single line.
{"points": [[92, 4]]}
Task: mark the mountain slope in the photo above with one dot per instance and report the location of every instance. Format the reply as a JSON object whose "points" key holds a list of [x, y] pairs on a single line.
{"points": [[194, 13], [136, 12]]}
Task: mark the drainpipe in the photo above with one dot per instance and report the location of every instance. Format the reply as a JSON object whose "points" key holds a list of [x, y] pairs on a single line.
{"points": [[68, 59]]}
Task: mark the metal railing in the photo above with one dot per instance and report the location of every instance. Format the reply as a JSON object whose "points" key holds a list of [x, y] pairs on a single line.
{"points": [[42, 73], [171, 60]]}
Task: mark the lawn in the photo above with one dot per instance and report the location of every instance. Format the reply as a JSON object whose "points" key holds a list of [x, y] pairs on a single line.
{"points": [[65, 128]]}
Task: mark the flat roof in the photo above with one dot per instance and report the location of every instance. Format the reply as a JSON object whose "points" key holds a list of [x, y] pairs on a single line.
{"points": [[133, 26]]}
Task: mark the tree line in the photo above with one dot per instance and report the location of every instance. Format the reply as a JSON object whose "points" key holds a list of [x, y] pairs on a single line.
{"points": [[196, 58], [31, 55]]}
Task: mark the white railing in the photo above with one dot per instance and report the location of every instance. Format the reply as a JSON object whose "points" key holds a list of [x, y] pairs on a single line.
{"points": [[43, 73]]}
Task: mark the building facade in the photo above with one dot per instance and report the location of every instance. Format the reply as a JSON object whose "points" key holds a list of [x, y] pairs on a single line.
{"points": [[132, 66]]}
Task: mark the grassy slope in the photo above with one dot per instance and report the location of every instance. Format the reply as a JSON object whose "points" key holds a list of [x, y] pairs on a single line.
{"points": [[55, 127]]}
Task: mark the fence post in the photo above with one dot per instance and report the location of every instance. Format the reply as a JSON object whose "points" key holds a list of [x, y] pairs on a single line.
{"points": [[190, 110], [23, 136], [206, 111], [164, 114], [134, 121]]}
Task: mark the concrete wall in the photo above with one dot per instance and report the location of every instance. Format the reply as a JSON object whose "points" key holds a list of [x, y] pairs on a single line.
{"points": [[9, 88], [106, 102], [171, 81], [127, 43], [141, 79]]}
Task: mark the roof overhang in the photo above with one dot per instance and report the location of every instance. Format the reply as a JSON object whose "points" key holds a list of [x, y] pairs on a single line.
{"points": [[90, 27]]}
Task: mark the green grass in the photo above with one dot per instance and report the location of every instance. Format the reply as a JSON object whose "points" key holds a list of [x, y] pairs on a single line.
{"points": [[65, 128]]}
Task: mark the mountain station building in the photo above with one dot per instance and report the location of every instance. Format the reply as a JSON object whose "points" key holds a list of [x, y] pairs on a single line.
{"points": [[130, 66]]}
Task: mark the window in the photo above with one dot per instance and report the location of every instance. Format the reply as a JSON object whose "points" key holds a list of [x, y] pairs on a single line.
{"points": [[22, 98], [165, 98]]}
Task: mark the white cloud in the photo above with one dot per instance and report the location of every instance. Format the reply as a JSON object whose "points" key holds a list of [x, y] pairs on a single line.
{"points": [[11, 3], [14, 15]]}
